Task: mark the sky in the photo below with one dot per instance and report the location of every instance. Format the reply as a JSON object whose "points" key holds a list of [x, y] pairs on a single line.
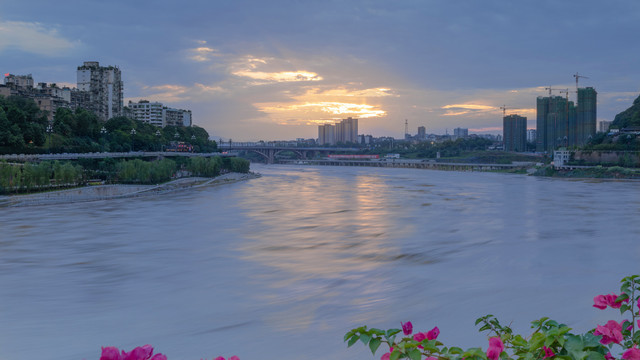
{"points": [[274, 70]]}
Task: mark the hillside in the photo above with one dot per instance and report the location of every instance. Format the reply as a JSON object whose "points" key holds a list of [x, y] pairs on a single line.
{"points": [[629, 117]]}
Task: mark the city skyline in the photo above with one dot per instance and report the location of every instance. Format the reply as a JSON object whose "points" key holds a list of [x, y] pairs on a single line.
{"points": [[254, 70]]}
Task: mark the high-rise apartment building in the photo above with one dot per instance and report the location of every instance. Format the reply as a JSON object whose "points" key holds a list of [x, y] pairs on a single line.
{"points": [[603, 126], [347, 131], [560, 123], [531, 135], [586, 119], [21, 81], [326, 134], [104, 85], [515, 133]]}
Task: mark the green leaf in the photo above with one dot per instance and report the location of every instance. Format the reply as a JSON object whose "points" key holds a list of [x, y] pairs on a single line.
{"points": [[621, 298], [485, 327], [594, 355], [374, 344], [591, 341], [395, 355], [414, 354], [353, 340], [536, 341], [455, 350], [348, 335], [392, 332], [624, 308], [365, 338], [574, 343]]}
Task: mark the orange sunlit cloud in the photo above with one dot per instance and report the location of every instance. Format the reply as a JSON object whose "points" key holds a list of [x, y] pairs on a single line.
{"points": [[470, 107], [333, 108], [284, 76], [342, 92]]}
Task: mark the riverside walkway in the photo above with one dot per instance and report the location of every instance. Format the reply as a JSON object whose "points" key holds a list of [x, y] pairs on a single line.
{"points": [[103, 155]]}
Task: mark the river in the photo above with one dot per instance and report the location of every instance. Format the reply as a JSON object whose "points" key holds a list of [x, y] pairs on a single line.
{"points": [[280, 267]]}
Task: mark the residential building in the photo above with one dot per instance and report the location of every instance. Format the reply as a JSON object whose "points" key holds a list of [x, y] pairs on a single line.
{"points": [[347, 131], [587, 111], [21, 81], [560, 123], [515, 133], [176, 117], [326, 134], [422, 133], [105, 88], [460, 133], [603, 126], [147, 112], [531, 135]]}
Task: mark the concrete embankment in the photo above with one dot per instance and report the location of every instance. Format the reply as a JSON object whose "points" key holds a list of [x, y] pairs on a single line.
{"points": [[106, 192]]}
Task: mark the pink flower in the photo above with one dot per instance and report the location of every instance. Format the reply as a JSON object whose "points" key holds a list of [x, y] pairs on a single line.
{"points": [[433, 333], [139, 353], [496, 347], [234, 358], [548, 352], [611, 332], [219, 358], [608, 356], [385, 356], [631, 354], [110, 353], [407, 328], [419, 336], [602, 301]]}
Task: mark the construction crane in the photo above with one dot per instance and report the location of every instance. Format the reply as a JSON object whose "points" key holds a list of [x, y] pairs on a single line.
{"points": [[578, 76], [550, 89], [504, 110]]}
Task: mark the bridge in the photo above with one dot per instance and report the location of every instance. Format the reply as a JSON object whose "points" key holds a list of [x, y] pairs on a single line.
{"points": [[103, 155], [416, 164], [269, 150]]}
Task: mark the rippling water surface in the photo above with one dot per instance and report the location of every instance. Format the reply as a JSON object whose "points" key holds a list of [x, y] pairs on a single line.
{"points": [[282, 266]]}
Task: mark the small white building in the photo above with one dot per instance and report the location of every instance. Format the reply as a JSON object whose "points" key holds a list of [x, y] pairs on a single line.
{"points": [[561, 158]]}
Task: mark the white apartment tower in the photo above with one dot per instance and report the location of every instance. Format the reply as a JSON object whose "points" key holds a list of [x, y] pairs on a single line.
{"points": [[148, 112], [104, 85]]}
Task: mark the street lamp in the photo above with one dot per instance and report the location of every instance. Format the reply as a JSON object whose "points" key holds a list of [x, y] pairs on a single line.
{"points": [[103, 132], [158, 137], [133, 132], [49, 131], [176, 135]]}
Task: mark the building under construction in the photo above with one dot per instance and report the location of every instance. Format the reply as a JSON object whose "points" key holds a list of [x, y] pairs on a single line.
{"points": [[514, 128], [560, 123]]}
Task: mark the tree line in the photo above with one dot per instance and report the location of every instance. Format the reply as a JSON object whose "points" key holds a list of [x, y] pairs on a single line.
{"points": [[29, 177], [24, 128]]}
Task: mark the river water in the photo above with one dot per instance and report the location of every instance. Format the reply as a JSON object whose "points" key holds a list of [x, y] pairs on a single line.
{"points": [[282, 266]]}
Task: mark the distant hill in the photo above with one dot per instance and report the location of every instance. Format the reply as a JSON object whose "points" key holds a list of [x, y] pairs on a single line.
{"points": [[629, 117]]}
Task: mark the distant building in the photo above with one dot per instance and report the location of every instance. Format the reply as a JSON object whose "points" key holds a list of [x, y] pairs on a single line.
{"points": [[603, 126], [460, 133], [560, 123], [347, 131], [326, 134], [105, 88], [515, 133], [147, 112], [156, 114], [21, 81], [422, 133], [176, 117], [587, 111], [531, 135]]}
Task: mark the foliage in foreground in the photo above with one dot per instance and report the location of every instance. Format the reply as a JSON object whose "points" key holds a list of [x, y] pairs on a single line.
{"points": [[549, 339]]}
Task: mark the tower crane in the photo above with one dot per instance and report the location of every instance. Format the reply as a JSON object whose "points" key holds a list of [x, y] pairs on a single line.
{"points": [[504, 110], [550, 89], [578, 76]]}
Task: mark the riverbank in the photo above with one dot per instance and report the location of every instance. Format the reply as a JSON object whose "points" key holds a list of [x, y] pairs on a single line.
{"points": [[117, 191]]}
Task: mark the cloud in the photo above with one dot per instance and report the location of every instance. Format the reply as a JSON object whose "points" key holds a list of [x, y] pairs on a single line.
{"points": [[34, 38], [203, 53], [283, 76], [470, 107]]}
